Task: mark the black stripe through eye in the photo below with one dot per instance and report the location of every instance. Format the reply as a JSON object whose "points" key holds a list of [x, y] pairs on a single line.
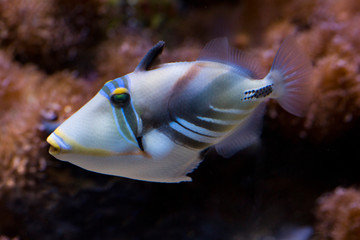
{"points": [[140, 144]]}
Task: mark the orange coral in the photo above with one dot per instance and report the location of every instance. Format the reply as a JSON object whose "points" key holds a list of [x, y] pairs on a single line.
{"points": [[338, 214], [121, 54], [51, 33], [25, 93]]}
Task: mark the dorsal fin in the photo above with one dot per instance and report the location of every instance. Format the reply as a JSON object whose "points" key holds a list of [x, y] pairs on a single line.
{"points": [[150, 57], [218, 50]]}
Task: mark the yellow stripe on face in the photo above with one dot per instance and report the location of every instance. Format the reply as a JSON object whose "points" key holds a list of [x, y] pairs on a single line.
{"points": [[80, 149], [54, 146], [120, 90]]}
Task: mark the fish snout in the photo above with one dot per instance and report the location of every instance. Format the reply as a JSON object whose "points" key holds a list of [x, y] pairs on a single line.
{"points": [[54, 146], [57, 144], [54, 150]]}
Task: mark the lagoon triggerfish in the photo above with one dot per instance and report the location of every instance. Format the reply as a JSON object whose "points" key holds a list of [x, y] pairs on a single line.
{"points": [[152, 124]]}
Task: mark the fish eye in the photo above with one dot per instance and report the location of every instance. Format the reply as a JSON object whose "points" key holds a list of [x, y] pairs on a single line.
{"points": [[120, 97]]}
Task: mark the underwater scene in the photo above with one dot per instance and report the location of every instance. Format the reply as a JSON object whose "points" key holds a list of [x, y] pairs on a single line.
{"points": [[198, 120]]}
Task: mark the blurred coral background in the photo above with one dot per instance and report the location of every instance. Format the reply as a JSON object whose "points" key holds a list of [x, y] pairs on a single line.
{"points": [[301, 182]]}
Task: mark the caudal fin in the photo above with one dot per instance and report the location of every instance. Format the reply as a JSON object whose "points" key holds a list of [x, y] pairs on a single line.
{"points": [[290, 72]]}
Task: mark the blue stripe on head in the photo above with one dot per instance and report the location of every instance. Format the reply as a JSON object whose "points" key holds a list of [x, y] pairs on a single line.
{"points": [[120, 82], [61, 142], [133, 108], [119, 128], [106, 90], [126, 81], [110, 86], [127, 124], [102, 92]]}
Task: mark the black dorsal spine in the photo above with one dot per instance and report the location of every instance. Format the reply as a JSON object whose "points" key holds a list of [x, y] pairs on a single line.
{"points": [[150, 57]]}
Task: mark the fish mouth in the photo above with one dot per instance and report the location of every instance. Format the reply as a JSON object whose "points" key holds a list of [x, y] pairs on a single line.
{"points": [[57, 144], [54, 150]]}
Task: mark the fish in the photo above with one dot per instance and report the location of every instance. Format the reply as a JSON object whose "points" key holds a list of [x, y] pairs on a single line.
{"points": [[153, 123]]}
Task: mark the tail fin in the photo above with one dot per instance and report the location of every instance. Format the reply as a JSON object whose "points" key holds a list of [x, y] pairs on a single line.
{"points": [[290, 72]]}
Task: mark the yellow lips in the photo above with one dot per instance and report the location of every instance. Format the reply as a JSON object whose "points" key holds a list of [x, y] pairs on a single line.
{"points": [[54, 146], [57, 143]]}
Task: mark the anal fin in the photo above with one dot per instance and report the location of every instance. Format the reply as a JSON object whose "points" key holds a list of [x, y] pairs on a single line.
{"points": [[245, 135]]}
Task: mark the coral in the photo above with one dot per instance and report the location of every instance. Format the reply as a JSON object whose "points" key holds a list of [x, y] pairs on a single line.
{"points": [[336, 73], [16, 121], [53, 34], [121, 54], [25, 95], [338, 215], [155, 14], [12, 79]]}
